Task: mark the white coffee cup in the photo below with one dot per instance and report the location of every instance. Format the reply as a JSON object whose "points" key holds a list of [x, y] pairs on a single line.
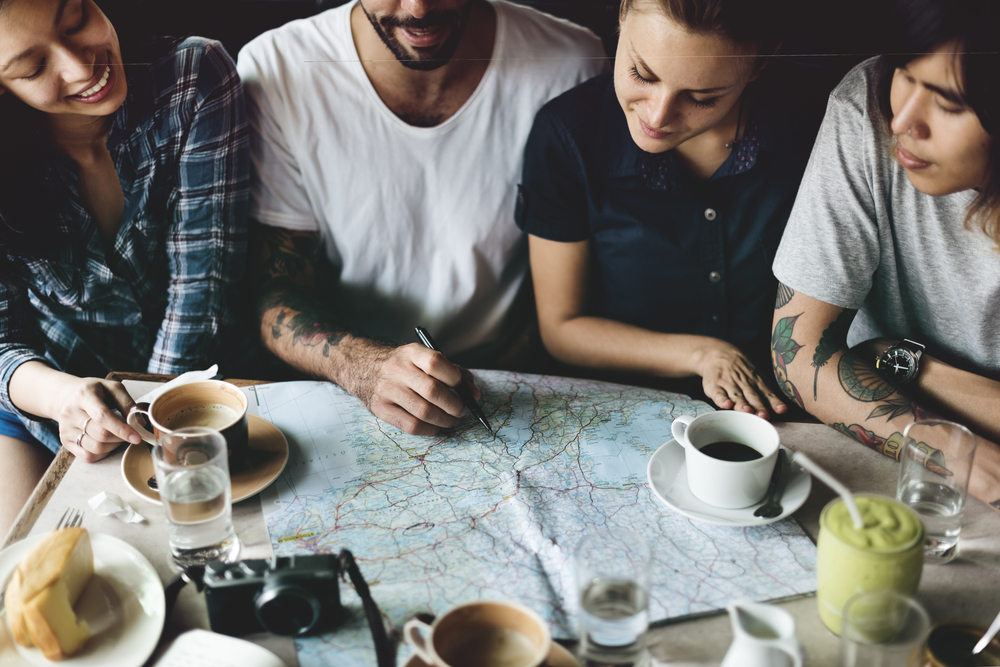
{"points": [[727, 484], [481, 634]]}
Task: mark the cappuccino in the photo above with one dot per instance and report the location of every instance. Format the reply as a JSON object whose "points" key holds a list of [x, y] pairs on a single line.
{"points": [[211, 415], [491, 647]]}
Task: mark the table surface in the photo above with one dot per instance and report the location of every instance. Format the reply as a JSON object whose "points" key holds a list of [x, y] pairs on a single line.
{"points": [[964, 589]]}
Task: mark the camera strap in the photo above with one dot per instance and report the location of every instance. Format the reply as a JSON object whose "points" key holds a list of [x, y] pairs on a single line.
{"points": [[384, 654]]}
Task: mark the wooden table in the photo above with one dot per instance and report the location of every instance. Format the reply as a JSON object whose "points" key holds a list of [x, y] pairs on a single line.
{"points": [[966, 589]]}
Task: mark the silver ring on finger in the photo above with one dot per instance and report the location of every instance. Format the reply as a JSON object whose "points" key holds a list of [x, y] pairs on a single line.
{"points": [[79, 439]]}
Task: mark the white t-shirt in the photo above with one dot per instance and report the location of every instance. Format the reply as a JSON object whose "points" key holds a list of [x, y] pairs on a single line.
{"points": [[417, 223]]}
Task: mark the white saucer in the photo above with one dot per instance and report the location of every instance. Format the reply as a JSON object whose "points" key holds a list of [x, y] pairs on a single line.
{"points": [[122, 578], [667, 473]]}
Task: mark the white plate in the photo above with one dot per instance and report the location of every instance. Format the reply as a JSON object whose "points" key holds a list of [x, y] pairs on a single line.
{"points": [[667, 473], [125, 578]]}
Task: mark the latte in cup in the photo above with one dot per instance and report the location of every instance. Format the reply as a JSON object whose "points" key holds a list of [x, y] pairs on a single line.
{"points": [[210, 415], [212, 404], [491, 647], [481, 634]]}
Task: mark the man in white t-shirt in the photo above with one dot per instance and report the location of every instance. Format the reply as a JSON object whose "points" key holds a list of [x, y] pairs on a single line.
{"points": [[387, 139]]}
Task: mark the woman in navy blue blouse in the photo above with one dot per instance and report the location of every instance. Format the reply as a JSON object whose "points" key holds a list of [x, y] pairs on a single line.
{"points": [[122, 226], [655, 197]]}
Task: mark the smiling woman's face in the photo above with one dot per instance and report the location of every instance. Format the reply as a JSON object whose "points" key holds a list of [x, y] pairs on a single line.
{"points": [[61, 57], [939, 140], [673, 84]]}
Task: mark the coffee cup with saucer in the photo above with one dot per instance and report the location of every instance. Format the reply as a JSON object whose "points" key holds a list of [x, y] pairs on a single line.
{"points": [[667, 475]]}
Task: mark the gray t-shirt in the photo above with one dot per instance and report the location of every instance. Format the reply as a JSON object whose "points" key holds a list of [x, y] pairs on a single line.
{"points": [[862, 237]]}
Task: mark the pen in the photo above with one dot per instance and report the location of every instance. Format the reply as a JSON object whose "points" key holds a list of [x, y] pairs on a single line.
{"points": [[462, 389]]}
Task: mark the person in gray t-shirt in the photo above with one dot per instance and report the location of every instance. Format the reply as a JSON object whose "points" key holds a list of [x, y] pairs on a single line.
{"points": [[889, 302]]}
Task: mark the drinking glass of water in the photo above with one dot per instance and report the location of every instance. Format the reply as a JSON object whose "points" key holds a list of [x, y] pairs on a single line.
{"points": [[936, 463], [883, 629], [613, 577], [192, 473]]}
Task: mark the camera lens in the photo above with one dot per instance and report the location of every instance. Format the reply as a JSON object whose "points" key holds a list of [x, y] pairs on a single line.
{"points": [[285, 608]]}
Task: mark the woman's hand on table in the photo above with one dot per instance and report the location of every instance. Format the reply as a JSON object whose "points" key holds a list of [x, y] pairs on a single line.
{"points": [[732, 381], [89, 403]]}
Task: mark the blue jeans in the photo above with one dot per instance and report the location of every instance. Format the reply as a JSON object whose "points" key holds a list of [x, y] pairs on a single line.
{"points": [[12, 427]]}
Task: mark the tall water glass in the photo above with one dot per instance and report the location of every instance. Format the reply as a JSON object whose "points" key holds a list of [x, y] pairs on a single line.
{"points": [[883, 629], [192, 474], [613, 578], [936, 463]]}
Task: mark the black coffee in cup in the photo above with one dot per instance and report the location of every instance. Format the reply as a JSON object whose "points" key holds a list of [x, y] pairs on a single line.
{"points": [[729, 450]]}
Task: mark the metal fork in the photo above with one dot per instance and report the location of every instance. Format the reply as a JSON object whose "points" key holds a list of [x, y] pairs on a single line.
{"points": [[71, 518]]}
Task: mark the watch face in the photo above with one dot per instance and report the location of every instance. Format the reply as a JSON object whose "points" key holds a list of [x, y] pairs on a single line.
{"points": [[899, 364]]}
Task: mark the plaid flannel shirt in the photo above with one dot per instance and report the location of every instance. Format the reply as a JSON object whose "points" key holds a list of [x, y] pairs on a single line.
{"points": [[163, 298]]}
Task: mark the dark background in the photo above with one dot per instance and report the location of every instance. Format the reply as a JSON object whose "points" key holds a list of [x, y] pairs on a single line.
{"points": [[831, 35]]}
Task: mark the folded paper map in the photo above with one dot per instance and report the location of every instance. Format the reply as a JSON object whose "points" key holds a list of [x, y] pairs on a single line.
{"points": [[439, 521]]}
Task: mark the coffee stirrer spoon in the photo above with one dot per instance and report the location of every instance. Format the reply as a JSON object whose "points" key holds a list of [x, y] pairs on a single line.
{"points": [[771, 507], [988, 637]]}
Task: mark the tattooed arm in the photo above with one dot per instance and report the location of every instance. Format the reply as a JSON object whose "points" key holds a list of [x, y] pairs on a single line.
{"points": [[407, 386], [841, 387]]}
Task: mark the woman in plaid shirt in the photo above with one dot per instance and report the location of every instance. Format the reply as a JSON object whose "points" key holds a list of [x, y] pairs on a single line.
{"points": [[123, 200]]}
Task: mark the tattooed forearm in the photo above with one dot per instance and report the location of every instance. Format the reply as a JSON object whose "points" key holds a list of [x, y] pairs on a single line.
{"points": [[785, 294], [301, 316], [860, 380], [783, 350], [833, 339], [899, 406], [931, 458]]}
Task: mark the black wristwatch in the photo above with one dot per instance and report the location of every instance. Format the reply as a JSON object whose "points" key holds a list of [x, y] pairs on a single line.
{"points": [[900, 362]]}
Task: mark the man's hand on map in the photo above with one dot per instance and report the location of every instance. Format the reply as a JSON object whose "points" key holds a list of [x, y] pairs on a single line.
{"points": [[409, 386]]}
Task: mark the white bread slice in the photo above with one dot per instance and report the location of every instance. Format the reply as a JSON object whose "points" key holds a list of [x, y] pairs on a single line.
{"points": [[15, 611], [48, 581]]}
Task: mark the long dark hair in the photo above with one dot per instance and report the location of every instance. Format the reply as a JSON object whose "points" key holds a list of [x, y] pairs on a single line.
{"points": [[922, 27], [28, 196]]}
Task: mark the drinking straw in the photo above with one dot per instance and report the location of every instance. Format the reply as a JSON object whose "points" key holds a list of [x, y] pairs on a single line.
{"points": [[833, 483]]}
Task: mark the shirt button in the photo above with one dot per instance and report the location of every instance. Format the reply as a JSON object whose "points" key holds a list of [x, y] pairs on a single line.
{"points": [[715, 276], [715, 318], [710, 214]]}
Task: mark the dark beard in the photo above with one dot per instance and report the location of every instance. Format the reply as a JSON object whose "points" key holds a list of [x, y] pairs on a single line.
{"points": [[422, 60]]}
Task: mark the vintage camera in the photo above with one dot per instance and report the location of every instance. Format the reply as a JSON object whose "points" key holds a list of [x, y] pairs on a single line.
{"points": [[287, 596]]}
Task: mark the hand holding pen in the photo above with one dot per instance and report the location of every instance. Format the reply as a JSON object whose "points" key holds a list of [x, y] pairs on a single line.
{"points": [[409, 386], [462, 390]]}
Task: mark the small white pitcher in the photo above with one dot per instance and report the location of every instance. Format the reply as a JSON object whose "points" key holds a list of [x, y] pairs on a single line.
{"points": [[763, 636]]}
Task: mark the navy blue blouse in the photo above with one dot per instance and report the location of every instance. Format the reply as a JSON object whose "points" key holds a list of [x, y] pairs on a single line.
{"points": [[671, 253]]}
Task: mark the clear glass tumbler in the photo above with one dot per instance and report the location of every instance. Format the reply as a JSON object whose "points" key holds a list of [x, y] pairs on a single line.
{"points": [[192, 473], [613, 579], [883, 629], [935, 466]]}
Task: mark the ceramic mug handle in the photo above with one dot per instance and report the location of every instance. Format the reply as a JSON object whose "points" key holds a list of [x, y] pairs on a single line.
{"points": [[679, 428], [133, 421], [413, 634]]}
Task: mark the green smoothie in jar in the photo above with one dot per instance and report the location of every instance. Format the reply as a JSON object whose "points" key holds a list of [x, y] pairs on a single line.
{"points": [[887, 553]]}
